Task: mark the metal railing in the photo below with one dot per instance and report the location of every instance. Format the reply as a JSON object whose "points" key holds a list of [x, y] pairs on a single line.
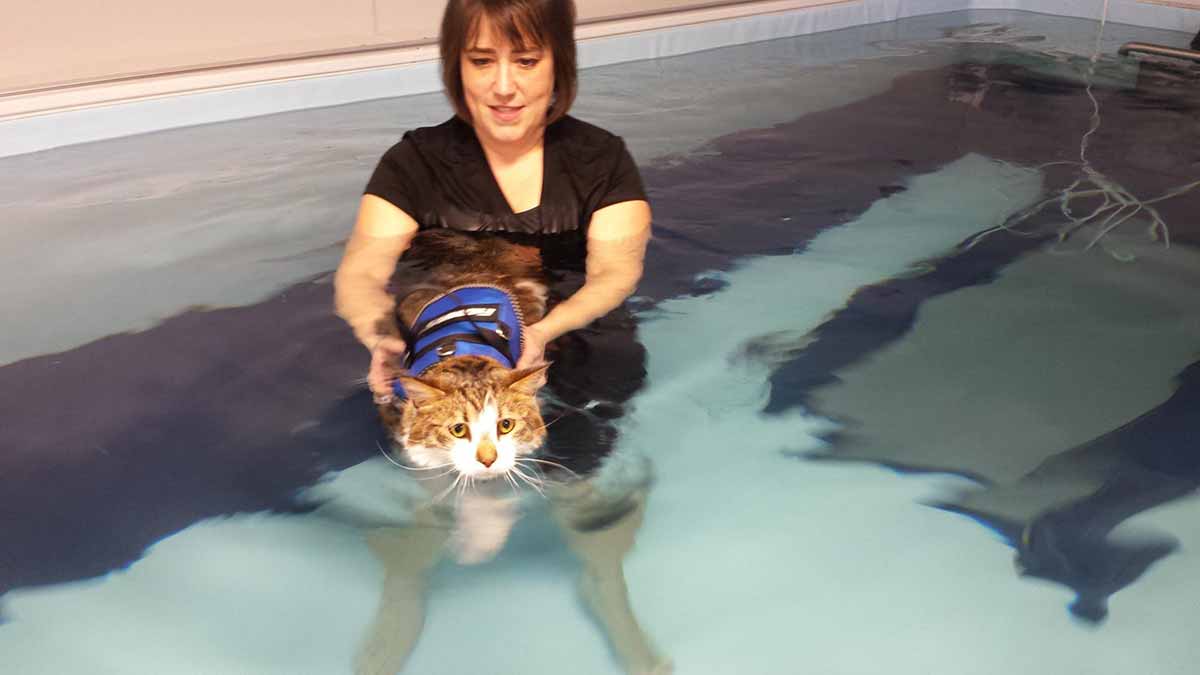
{"points": [[1158, 50]]}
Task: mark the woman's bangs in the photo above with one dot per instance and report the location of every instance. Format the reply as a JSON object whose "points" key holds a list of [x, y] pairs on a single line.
{"points": [[518, 25]]}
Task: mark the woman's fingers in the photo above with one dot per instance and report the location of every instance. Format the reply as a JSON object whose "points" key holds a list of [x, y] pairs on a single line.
{"points": [[385, 364], [533, 350]]}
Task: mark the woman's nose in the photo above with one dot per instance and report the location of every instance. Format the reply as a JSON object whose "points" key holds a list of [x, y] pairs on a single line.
{"points": [[504, 84]]}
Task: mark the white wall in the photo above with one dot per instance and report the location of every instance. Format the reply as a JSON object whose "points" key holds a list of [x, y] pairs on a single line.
{"points": [[91, 75], [58, 43]]}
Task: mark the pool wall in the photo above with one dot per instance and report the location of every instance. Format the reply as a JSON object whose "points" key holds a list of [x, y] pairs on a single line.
{"points": [[60, 118]]}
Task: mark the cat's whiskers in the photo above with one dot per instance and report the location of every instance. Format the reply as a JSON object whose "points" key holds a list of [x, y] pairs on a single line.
{"points": [[535, 483], [447, 491], [388, 457], [447, 472], [547, 462], [516, 488], [409, 468], [541, 477], [428, 468], [466, 486], [546, 425]]}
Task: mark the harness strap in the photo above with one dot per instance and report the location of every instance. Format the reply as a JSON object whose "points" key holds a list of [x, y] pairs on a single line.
{"points": [[468, 320], [446, 344]]}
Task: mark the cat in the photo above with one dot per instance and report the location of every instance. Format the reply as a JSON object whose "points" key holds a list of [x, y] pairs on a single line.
{"points": [[460, 411], [461, 404]]}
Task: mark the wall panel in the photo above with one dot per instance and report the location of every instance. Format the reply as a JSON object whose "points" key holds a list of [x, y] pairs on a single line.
{"points": [[58, 43]]}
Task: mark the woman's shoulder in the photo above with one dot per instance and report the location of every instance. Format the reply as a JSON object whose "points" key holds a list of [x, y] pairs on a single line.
{"points": [[433, 142], [585, 142], [447, 132]]}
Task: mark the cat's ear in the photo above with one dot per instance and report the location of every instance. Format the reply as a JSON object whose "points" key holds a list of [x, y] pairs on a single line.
{"points": [[528, 380], [419, 391]]}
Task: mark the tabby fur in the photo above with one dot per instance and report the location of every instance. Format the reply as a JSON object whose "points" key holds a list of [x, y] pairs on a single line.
{"points": [[468, 412]]}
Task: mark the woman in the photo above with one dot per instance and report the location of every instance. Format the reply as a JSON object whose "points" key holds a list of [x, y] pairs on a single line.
{"points": [[511, 163]]}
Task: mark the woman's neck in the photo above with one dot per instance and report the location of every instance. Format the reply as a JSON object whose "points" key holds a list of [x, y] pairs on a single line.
{"points": [[512, 152]]}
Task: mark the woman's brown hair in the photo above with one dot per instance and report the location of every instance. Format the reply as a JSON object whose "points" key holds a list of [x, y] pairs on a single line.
{"points": [[526, 24]]}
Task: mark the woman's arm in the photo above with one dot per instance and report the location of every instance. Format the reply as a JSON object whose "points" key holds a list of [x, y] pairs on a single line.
{"points": [[616, 247], [381, 234]]}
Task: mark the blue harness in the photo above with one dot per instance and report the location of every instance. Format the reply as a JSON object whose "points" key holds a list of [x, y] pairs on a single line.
{"points": [[465, 320]]}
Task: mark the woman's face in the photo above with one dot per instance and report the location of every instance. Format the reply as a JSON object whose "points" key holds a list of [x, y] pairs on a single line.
{"points": [[507, 92]]}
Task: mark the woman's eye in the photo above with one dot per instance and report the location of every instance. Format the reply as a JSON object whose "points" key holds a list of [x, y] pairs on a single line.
{"points": [[506, 425], [527, 63], [479, 63], [458, 430]]}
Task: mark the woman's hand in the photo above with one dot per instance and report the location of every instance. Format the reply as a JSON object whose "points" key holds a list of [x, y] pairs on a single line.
{"points": [[381, 235], [533, 347], [386, 359], [616, 249]]}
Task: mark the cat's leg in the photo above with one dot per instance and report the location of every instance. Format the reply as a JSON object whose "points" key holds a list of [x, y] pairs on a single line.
{"points": [[407, 554], [601, 531]]}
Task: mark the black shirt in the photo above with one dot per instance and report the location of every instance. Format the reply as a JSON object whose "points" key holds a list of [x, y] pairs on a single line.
{"points": [[440, 177]]}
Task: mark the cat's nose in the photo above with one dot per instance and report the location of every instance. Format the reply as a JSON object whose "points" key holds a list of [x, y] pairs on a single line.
{"points": [[486, 453]]}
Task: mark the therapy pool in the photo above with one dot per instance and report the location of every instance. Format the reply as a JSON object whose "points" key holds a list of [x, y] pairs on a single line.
{"points": [[922, 314]]}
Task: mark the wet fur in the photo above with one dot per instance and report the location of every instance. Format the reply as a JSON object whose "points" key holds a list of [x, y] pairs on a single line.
{"points": [[597, 525], [471, 390]]}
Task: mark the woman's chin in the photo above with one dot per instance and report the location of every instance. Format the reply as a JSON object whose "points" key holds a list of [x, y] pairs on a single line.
{"points": [[505, 133]]}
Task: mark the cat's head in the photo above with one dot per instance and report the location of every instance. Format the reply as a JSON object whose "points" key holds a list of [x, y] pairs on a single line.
{"points": [[469, 412]]}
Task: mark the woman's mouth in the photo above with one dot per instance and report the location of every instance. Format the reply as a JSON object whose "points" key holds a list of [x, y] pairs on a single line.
{"points": [[506, 113]]}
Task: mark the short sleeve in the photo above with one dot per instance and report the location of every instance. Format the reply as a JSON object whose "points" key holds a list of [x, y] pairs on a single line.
{"points": [[624, 181], [396, 177]]}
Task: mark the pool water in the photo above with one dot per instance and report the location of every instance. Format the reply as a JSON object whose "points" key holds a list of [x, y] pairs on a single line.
{"points": [[923, 326]]}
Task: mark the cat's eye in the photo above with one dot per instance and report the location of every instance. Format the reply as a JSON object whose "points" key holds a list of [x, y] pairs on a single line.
{"points": [[458, 430], [506, 425]]}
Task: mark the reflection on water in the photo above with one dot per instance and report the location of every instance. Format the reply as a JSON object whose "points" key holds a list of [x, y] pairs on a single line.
{"points": [[813, 293], [598, 527]]}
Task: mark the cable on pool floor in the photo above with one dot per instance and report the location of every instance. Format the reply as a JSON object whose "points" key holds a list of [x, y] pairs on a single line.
{"points": [[1119, 205]]}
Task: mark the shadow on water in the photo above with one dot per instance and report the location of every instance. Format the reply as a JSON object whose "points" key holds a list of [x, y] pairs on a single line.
{"points": [[1094, 488], [123, 441], [1060, 510]]}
